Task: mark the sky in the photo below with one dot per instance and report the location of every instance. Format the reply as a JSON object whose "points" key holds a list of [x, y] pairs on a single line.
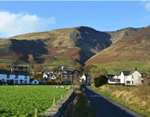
{"points": [[22, 17]]}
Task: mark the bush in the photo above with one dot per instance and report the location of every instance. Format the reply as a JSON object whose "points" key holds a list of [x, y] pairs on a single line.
{"points": [[11, 82], [99, 81], [1, 82]]}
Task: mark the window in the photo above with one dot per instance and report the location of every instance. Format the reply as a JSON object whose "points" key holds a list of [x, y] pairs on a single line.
{"points": [[25, 77], [128, 82], [132, 82], [65, 76], [35, 82], [16, 76], [75, 76], [132, 76], [25, 82], [3, 80]]}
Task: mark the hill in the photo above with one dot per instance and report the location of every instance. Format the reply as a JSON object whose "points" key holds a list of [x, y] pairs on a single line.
{"points": [[61, 46], [126, 53]]}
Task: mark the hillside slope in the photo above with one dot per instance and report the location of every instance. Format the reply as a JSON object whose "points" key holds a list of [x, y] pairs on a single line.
{"points": [[69, 45], [127, 52]]}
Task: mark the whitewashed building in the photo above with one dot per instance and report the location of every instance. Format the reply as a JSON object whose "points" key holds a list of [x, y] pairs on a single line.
{"points": [[49, 75], [34, 81], [18, 77], [131, 78], [126, 78], [112, 79], [84, 78]]}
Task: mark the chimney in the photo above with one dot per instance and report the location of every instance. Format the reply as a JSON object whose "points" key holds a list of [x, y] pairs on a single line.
{"points": [[11, 70], [135, 69]]}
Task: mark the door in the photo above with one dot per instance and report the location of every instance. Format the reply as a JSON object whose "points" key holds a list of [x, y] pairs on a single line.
{"points": [[21, 81]]}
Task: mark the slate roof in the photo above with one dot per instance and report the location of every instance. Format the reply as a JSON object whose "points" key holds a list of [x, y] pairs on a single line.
{"points": [[8, 72], [127, 73]]}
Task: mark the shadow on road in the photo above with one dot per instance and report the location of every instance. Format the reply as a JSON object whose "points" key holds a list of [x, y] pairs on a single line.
{"points": [[104, 108]]}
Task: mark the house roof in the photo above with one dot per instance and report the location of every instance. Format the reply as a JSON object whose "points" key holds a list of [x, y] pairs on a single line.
{"points": [[8, 72], [126, 73]]}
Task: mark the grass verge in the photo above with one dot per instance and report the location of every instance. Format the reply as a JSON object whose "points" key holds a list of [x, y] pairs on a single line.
{"points": [[127, 97]]}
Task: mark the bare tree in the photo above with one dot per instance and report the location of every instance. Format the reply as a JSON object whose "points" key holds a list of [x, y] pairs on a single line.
{"points": [[31, 59]]}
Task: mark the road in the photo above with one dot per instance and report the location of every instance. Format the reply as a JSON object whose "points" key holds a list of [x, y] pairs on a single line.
{"points": [[105, 107]]}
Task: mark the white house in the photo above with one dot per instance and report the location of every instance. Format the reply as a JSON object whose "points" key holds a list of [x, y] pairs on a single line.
{"points": [[49, 75], [131, 77], [84, 78], [34, 81], [126, 77], [18, 77]]}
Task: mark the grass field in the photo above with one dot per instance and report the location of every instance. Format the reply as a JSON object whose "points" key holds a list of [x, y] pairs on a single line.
{"points": [[124, 66], [21, 102]]}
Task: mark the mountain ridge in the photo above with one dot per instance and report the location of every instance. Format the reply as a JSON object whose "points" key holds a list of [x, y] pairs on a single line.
{"points": [[72, 45]]}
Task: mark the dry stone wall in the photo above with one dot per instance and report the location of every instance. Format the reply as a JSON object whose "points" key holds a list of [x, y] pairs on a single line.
{"points": [[60, 108]]}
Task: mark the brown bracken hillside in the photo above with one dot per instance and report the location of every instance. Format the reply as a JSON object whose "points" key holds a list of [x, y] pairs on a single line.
{"points": [[135, 47], [73, 45]]}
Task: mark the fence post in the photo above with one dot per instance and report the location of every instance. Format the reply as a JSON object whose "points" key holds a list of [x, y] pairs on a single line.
{"points": [[54, 101], [36, 112], [61, 96]]}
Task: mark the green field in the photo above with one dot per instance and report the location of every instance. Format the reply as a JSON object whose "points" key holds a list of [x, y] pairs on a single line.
{"points": [[124, 66], [21, 102]]}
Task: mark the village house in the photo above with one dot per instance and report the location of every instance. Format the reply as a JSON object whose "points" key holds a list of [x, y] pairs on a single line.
{"points": [[69, 76], [18, 77], [49, 75], [85, 78], [34, 81], [126, 78], [15, 75]]}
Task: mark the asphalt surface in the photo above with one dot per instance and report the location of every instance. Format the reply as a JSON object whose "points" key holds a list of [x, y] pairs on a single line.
{"points": [[105, 107]]}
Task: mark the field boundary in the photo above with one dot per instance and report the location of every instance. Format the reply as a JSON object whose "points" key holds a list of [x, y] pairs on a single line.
{"points": [[60, 108]]}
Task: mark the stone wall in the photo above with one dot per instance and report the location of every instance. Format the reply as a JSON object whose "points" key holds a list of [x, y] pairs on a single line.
{"points": [[60, 108]]}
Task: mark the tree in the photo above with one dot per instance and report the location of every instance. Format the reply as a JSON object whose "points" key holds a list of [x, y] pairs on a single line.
{"points": [[80, 68], [38, 69], [87, 68], [101, 80], [2, 66], [94, 72], [31, 59]]}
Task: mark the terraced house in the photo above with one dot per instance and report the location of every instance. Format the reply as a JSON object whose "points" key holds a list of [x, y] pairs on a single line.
{"points": [[18, 77], [15, 75]]}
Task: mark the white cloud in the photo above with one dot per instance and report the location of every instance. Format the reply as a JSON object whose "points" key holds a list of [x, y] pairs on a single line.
{"points": [[12, 24], [147, 7]]}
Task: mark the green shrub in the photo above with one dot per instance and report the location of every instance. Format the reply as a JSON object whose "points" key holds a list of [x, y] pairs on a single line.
{"points": [[99, 81], [11, 82]]}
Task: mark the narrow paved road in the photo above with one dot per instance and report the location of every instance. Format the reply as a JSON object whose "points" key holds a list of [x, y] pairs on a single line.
{"points": [[105, 107]]}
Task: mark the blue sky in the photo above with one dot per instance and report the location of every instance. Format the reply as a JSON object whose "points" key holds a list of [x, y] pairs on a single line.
{"points": [[24, 17]]}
